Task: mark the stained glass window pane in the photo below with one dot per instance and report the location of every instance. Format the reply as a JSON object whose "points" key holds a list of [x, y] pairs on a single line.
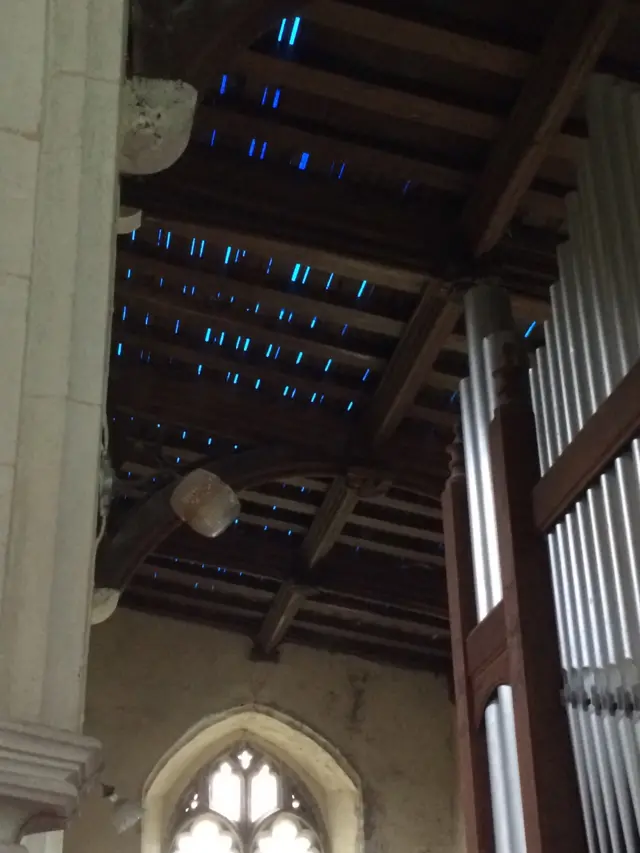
{"points": [[225, 792], [263, 793]]}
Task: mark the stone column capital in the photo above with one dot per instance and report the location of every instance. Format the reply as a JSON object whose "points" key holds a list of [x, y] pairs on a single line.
{"points": [[43, 774]]}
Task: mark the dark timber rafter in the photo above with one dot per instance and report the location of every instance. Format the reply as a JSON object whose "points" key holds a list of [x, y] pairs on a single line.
{"points": [[432, 323], [576, 40]]}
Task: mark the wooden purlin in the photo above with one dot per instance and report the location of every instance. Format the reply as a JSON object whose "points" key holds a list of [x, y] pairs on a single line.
{"points": [[578, 36]]}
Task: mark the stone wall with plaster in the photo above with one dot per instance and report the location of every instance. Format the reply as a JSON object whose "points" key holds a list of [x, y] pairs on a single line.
{"points": [[152, 679]]}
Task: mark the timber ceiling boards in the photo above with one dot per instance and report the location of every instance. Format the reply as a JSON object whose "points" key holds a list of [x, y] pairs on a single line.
{"points": [[297, 284]]}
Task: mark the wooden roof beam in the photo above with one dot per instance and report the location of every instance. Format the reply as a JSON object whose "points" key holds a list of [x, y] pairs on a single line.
{"points": [[338, 504], [179, 204], [419, 38], [578, 36], [394, 166], [430, 327], [391, 103]]}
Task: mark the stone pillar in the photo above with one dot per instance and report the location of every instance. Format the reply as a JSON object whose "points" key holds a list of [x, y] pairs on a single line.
{"points": [[61, 68]]}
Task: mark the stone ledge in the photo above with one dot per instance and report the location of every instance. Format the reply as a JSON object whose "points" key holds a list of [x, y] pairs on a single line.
{"points": [[44, 772]]}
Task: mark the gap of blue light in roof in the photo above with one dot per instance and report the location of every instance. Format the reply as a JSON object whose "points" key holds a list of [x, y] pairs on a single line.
{"points": [[168, 240], [365, 375], [129, 276], [119, 350], [247, 344], [238, 341], [257, 385], [344, 329], [252, 147], [213, 138], [199, 369], [263, 151], [177, 327], [202, 245], [453, 397], [277, 353], [362, 289], [161, 281], [276, 99], [350, 406], [124, 313], [223, 84], [159, 235], [269, 265], [405, 189], [322, 401], [147, 319], [313, 323], [193, 290], [184, 288], [294, 274], [341, 172], [286, 391], [530, 329], [184, 434], [283, 26], [257, 307], [227, 255], [232, 299], [209, 441], [290, 317], [294, 31], [329, 280], [264, 96], [293, 393], [313, 397], [236, 261], [281, 314], [228, 375], [133, 236], [299, 357], [304, 159], [328, 365], [193, 246], [268, 352], [305, 275], [221, 338], [235, 378]]}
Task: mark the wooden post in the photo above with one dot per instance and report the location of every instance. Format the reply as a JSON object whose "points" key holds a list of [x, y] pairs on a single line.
{"points": [[473, 764], [550, 796]]}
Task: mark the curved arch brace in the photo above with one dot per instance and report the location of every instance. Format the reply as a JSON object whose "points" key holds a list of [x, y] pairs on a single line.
{"points": [[146, 526]]}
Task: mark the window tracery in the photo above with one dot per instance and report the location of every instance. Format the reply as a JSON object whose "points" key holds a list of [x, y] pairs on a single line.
{"points": [[244, 802]]}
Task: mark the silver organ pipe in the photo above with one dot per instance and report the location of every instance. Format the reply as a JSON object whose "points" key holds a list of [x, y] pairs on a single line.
{"points": [[591, 341]]}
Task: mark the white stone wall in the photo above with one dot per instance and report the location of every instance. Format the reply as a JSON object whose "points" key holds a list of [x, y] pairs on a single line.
{"points": [[152, 679]]}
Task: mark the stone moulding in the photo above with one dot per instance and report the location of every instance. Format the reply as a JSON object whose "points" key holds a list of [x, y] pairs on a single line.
{"points": [[44, 772]]}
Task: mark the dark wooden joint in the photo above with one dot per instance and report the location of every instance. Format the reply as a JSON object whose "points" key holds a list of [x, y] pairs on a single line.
{"points": [[487, 661]]}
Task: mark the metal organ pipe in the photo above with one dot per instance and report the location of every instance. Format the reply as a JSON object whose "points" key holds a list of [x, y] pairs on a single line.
{"points": [[591, 341], [488, 312]]}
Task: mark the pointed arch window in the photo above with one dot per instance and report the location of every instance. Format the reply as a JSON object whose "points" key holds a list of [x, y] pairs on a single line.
{"points": [[245, 802]]}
